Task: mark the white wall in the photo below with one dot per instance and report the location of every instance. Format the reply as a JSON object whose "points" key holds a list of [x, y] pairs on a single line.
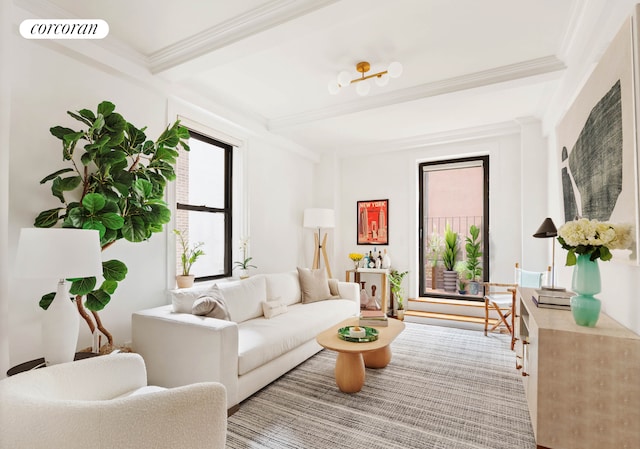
{"points": [[46, 80], [394, 175]]}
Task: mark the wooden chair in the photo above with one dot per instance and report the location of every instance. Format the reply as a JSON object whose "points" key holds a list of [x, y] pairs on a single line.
{"points": [[501, 298]]}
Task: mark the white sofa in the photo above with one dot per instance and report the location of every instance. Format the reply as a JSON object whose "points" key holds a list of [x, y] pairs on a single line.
{"points": [[247, 352], [104, 402]]}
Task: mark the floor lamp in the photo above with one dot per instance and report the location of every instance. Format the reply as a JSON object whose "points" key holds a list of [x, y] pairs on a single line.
{"points": [[318, 219], [548, 230], [59, 253]]}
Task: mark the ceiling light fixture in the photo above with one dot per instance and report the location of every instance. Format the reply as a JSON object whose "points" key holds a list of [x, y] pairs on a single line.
{"points": [[381, 78]]}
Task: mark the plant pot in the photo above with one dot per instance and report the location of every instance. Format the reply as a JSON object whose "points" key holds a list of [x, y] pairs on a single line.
{"points": [[243, 274], [474, 287], [400, 314], [450, 280], [185, 281]]}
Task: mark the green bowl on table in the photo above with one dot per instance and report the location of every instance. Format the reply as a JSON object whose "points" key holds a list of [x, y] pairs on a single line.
{"points": [[371, 334]]}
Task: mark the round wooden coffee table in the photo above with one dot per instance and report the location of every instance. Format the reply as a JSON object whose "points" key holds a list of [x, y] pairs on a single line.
{"points": [[353, 357]]}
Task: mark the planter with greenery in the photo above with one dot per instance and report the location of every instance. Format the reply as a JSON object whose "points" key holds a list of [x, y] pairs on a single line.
{"points": [[188, 257], [395, 280], [449, 257], [244, 264], [474, 254], [115, 184]]}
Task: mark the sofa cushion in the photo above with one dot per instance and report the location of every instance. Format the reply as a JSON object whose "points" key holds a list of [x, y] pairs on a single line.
{"points": [[284, 286], [211, 305], [244, 298], [314, 285], [273, 308], [262, 340]]}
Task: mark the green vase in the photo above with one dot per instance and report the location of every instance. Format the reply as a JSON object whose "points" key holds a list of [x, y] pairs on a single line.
{"points": [[586, 283]]}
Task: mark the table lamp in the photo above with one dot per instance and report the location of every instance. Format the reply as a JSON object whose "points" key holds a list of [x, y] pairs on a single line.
{"points": [[59, 253], [320, 218], [548, 230]]}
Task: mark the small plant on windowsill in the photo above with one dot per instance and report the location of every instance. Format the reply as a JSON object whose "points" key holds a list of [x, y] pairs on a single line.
{"points": [[244, 265], [189, 256]]}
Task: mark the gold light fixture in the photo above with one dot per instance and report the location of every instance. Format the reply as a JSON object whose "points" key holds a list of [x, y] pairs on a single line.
{"points": [[363, 85]]}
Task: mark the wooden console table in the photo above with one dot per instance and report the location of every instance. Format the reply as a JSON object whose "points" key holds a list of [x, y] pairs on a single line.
{"points": [[384, 282], [581, 383]]}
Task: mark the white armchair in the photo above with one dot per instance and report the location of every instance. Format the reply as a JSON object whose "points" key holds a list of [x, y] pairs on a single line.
{"points": [[104, 402]]}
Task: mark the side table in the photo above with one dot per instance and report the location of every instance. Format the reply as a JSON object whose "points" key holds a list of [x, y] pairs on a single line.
{"points": [[39, 363], [384, 282]]}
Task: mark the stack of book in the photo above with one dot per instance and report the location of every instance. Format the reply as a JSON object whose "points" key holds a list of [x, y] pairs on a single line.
{"points": [[376, 318], [553, 299]]}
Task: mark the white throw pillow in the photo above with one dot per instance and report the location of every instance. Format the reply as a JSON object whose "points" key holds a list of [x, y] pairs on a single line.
{"points": [[244, 298], [273, 308], [284, 286]]}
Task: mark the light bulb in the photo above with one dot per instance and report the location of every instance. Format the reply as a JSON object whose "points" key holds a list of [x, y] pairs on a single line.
{"points": [[363, 87], [334, 87], [382, 80], [394, 70], [344, 78]]}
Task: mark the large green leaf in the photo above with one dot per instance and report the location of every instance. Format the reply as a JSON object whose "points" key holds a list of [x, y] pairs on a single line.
{"points": [[55, 175], [114, 270], [142, 187], [93, 202], [60, 131], [75, 217], [98, 124], [109, 287], [106, 107], [134, 229], [159, 214], [97, 300], [95, 224], [82, 286], [47, 218], [46, 300], [112, 220]]}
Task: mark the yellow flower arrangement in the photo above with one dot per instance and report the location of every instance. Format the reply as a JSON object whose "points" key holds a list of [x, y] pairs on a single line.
{"points": [[356, 257]]}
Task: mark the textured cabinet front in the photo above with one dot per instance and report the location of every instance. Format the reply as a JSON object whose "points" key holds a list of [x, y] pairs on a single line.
{"points": [[581, 383]]}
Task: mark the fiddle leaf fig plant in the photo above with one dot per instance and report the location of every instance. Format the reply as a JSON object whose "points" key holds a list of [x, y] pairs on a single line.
{"points": [[114, 183]]}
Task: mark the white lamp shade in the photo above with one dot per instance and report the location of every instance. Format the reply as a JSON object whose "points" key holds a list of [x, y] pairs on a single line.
{"points": [[344, 78], [319, 218], [382, 80], [58, 253], [333, 87]]}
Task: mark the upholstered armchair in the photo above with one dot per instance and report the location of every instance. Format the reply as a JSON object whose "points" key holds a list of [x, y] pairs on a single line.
{"points": [[104, 402]]}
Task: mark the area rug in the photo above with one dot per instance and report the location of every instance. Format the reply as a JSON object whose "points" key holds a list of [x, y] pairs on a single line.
{"points": [[445, 388]]}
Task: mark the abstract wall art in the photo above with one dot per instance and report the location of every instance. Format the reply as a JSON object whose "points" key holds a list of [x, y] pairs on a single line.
{"points": [[596, 140]]}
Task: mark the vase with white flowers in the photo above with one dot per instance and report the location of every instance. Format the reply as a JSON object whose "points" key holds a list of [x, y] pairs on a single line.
{"points": [[587, 241], [244, 265]]}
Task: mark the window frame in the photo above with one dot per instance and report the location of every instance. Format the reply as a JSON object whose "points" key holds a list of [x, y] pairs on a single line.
{"points": [[422, 235], [226, 210]]}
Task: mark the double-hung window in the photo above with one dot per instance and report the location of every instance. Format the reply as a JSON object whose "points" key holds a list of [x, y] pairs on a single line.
{"points": [[203, 204]]}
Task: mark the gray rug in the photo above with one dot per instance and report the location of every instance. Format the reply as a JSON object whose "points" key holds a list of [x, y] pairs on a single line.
{"points": [[444, 388]]}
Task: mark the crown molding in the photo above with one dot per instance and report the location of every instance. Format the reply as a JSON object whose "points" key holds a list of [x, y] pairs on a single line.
{"points": [[259, 19], [440, 138], [534, 67]]}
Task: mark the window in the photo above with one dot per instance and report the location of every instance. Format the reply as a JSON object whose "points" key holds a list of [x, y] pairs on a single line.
{"points": [[454, 192], [203, 204]]}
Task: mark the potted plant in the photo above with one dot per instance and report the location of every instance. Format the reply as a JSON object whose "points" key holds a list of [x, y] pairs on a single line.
{"points": [[395, 279], [462, 286], [244, 264], [434, 253], [474, 254], [449, 257], [188, 257], [114, 182]]}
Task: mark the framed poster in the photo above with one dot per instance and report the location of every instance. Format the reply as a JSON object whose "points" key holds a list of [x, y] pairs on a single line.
{"points": [[373, 222]]}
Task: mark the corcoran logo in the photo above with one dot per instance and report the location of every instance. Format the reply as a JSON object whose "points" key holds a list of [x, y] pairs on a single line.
{"points": [[64, 29]]}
